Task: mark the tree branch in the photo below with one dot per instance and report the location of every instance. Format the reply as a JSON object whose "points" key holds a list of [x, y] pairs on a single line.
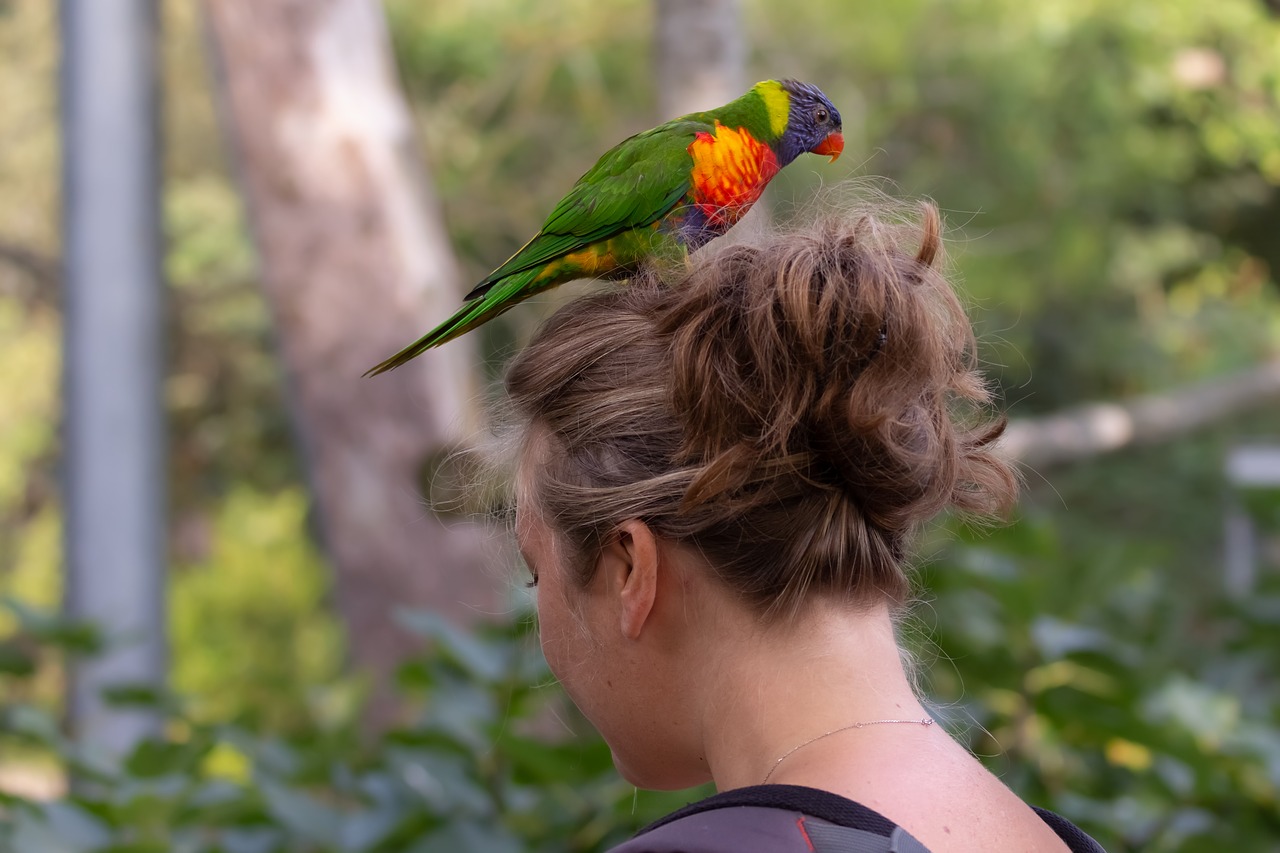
{"points": [[1098, 428]]}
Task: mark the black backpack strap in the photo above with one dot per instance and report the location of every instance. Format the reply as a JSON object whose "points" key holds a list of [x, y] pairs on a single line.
{"points": [[821, 804], [1073, 836], [841, 825]]}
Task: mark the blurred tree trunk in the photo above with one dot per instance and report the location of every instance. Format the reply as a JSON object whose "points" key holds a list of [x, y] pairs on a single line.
{"points": [[699, 54], [356, 263]]}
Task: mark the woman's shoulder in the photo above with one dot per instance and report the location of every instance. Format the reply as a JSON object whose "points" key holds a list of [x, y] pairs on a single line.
{"points": [[786, 818]]}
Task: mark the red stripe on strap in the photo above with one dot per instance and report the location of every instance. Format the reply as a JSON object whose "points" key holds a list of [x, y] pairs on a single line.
{"points": [[804, 832]]}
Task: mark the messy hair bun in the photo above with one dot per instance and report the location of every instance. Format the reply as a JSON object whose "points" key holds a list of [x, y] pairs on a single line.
{"points": [[794, 408]]}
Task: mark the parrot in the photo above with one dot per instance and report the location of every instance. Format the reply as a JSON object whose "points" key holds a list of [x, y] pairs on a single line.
{"points": [[661, 193]]}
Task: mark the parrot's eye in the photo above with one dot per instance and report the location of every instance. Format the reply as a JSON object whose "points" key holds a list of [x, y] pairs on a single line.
{"points": [[821, 115]]}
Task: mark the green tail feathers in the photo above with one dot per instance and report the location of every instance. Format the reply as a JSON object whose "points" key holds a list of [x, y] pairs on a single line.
{"points": [[476, 312]]}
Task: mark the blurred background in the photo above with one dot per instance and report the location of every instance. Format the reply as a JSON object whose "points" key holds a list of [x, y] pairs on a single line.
{"points": [[340, 656]]}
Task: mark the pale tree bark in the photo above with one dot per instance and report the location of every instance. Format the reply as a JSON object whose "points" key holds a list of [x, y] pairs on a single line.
{"points": [[356, 263], [700, 62], [1092, 430], [699, 55]]}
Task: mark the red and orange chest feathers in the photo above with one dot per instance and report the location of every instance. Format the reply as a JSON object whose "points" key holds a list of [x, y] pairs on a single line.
{"points": [[730, 170]]}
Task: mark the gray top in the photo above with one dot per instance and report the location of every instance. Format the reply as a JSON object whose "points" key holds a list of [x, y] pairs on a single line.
{"points": [[739, 829], [795, 819]]}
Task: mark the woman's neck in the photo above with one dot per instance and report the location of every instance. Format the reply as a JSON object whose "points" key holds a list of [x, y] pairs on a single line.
{"points": [[797, 691]]}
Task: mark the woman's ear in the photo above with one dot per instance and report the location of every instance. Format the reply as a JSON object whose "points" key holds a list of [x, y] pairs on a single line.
{"points": [[630, 568]]}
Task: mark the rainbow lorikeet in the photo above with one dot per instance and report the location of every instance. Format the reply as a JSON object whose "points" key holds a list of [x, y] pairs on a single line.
{"points": [[659, 193]]}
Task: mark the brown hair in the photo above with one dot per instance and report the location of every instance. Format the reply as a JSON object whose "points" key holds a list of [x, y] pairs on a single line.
{"points": [[794, 408]]}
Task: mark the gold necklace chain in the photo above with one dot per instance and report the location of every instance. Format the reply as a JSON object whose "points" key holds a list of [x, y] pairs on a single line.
{"points": [[926, 722]]}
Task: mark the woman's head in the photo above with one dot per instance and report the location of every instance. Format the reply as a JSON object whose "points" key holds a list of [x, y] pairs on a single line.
{"points": [[791, 409]]}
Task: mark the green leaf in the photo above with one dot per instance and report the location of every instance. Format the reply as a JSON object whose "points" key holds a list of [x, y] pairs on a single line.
{"points": [[460, 835], [16, 659], [140, 695], [364, 830], [486, 660], [255, 839], [62, 825], [539, 762], [448, 784], [153, 758], [33, 834], [466, 713], [300, 812], [1057, 638], [1209, 715], [31, 722], [56, 630]]}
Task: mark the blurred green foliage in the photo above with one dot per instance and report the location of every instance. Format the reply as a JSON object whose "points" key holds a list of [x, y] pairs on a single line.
{"points": [[261, 579], [478, 768], [1111, 173], [1148, 717]]}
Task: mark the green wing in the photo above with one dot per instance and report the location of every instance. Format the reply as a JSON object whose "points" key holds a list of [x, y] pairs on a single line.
{"points": [[634, 184]]}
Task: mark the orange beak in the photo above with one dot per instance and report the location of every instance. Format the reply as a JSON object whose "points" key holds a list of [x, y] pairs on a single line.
{"points": [[833, 145]]}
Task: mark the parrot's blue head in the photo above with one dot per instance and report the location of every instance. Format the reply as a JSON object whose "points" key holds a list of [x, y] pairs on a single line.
{"points": [[813, 124]]}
